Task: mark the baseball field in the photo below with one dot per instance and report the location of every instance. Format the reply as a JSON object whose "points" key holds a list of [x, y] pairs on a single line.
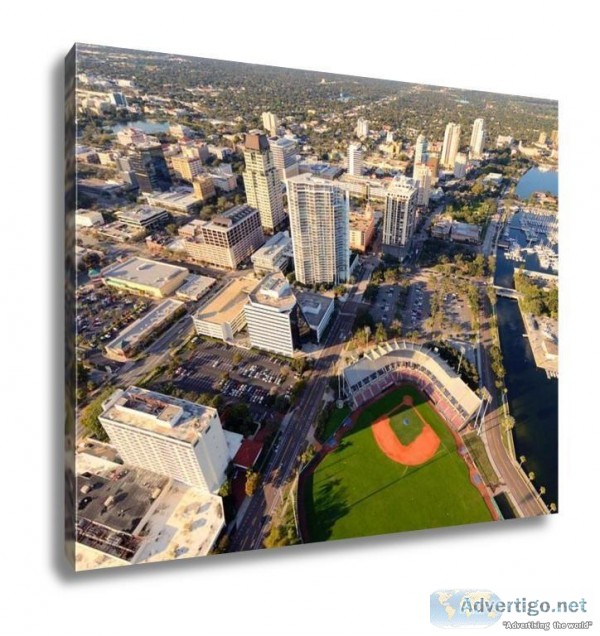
{"points": [[397, 469]]}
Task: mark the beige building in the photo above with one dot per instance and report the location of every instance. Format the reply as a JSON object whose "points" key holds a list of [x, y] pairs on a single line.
{"points": [[261, 181], [145, 277], [451, 145], [204, 187], [422, 176], [222, 316], [227, 239], [362, 229], [186, 168]]}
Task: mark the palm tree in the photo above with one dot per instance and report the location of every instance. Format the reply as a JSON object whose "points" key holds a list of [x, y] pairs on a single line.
{"points": [[522, 460], [542, 490], [552, 507], [531, 475]]}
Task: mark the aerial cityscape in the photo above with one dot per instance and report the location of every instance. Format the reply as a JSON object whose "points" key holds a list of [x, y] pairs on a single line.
{"points": [[307, 307]]}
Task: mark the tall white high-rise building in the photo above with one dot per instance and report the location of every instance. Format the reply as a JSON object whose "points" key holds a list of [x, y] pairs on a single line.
{"points": [[399, 214], [460, 165], [173, 437], [477, 138], [420, 150], [355, 160], [362, 128], [319, 224], [451, 145], [422, 177], [272, 316], [261, 181], [270, 123]]}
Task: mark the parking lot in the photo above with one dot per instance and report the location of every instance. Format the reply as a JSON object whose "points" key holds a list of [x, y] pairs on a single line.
{"points": [[384, 309], [102, 312], [236, 374]]}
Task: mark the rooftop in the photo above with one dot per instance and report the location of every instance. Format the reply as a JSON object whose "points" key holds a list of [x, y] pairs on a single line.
{"points": [[230, 218], [143, 271], [228, 303], [158, 413], [276, 244], [180, 198], [274, 291], [248, 453], [314, 306], [140, 215], [256, 142], [195, 287], [140, 328]]}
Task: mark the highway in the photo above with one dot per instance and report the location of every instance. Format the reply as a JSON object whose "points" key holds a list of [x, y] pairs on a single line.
{"points": [[250, 532]]}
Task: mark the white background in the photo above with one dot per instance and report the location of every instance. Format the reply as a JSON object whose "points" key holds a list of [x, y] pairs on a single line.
{"points": [[361, 587]]}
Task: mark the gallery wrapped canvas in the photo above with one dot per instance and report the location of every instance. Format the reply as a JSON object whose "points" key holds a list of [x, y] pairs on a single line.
{"points": [[301, 307]]}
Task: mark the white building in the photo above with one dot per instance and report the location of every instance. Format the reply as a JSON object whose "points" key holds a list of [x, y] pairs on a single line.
{"points": [[169, 436], [274, 255], [355, 160], [319, 223], [422, 176], [420, 150], [144, 276], [272, 316], [270, 123], [460, 165], [399, 214], [477, 138], [284, 157], [451, 145], [261, 181], [362, 128]]}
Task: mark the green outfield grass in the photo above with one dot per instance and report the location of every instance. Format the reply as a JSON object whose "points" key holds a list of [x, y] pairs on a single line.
{"points": [[357, 491]]}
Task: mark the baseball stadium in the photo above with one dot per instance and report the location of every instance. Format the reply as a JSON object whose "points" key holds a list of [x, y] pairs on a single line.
{"points": [[397, 462]]}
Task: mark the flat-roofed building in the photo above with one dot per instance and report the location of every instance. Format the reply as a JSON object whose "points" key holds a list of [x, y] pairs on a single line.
{"points": [[144, 276], [227, 239], [362, 230], [272, 316], [181, 200], [319, 224], [173, 437], [399, 216], [316, 310], [144, 216], [422, 177], [136, 335], [270, 123], [204, 187], [222, 316], [186, 168], [88, 218], [460, 165], [465, 232], [274, 255], [355, 160], [147, 162], [223, 177], [195, 287], [284, 157]]}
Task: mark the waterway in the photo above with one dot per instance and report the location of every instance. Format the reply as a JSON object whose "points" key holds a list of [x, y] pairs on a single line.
{"points": [[148, 127], [532, 397], [536, 180]]}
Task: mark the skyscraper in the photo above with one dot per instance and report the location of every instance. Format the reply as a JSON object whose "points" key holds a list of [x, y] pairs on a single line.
{"points": [[362, 128], [399, 215], [319, 223], [284, 157], [451, 145], [420, 150], [263, 189], [422, 176], [355, 160], [270, 123], [147, 162], [477, 138]]}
